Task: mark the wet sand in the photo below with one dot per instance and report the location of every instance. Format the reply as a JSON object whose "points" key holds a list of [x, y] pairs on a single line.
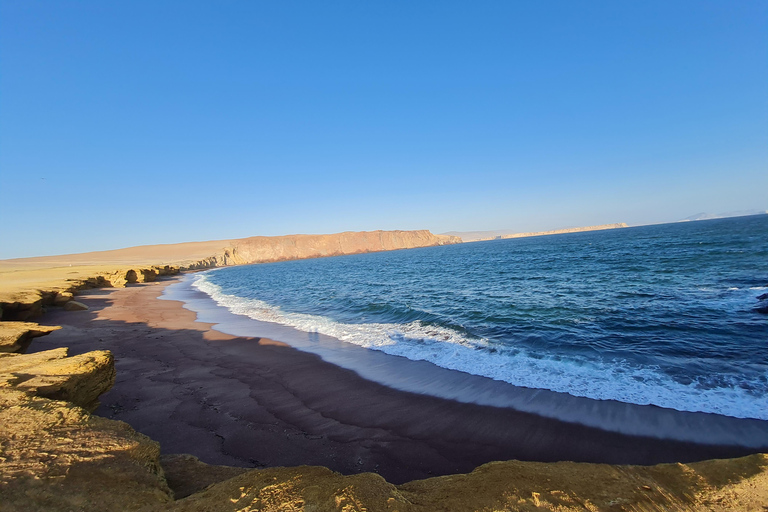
{"points": [[256, 402]]}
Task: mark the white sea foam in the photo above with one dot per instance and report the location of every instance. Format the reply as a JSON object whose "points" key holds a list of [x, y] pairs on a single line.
{"points": [[602, 380]]}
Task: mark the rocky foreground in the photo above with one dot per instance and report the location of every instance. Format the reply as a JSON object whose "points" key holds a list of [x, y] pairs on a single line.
{"points": [[55, 455]]}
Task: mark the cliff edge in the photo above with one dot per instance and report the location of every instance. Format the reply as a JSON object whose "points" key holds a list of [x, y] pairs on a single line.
{"points": [[28, 285]]}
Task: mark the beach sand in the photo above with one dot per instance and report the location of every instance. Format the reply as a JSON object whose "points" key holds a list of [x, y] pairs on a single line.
{"points": [[256, 402]]}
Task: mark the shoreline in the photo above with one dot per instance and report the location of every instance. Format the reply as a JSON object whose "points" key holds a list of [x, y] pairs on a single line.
{"points": [[256, 402], [424, 377]]}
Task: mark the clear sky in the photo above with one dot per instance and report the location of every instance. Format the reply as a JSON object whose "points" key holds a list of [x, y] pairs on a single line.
{"points": [[128, 123]]}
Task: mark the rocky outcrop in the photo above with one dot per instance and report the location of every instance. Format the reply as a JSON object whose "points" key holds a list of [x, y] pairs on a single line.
{"points": [[16, 336], [50, 374], [28, 286], [29, 301], [186, 474], [74, 305], [735, 484], [54, 455]]}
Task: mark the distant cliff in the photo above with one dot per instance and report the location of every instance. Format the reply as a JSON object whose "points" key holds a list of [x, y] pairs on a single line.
{"points": [[569, 230], [263, 249], [479, 236], [28, 285]]}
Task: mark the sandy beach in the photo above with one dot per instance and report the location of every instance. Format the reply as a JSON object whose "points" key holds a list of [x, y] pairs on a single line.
{"points": [[256, 402]]}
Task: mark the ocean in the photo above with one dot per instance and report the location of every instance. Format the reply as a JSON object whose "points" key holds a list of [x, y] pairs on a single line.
{"points": [[660, 315]]}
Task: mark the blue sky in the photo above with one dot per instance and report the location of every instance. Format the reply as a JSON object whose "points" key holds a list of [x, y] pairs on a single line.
{"points": [[127, 123]]}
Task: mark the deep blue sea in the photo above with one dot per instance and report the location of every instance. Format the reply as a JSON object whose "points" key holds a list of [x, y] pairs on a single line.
{"points": [[661, 314]]}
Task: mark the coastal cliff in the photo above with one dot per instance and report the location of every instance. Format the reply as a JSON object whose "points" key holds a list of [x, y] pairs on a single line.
{"points": [[28, 285]]}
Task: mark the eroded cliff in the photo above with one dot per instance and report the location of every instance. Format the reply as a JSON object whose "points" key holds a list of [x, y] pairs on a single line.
{"points": [[28, 285], [267, 249]]}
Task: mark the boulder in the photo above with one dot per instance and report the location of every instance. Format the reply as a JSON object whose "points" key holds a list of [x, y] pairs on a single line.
{"points": [[73, 305], [54, 456], [733, 484], [186, 474], [62, 298]]}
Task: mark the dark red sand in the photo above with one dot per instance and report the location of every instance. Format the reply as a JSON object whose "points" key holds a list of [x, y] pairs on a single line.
{"points": [[255, 402]]}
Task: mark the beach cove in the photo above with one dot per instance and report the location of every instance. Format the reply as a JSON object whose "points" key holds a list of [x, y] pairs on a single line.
{"points": [[255, 402]]}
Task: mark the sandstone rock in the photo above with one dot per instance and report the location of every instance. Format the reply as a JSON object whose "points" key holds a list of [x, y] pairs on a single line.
{"points": [[74, 305], [263, 249], [735, 484], [50, 374], [16, 336], [54, 456], [62, 298], [300, 488], [186, 475]]}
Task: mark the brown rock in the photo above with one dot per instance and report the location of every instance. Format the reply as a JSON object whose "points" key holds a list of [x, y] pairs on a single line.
{"points": [[73, 305], [62, 298], [54, 456], [719, 485], [300, 488], [50, 374]]}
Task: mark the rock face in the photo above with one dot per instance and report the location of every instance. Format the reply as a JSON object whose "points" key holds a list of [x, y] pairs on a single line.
{"points": [[736, 484], [73, 305], [263, 249], [54, 455]]}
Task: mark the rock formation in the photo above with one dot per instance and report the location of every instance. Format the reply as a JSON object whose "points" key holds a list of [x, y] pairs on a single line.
{"points": [[16, 336], [263, 249], [29, 285], [50, 374], [54, 455]]}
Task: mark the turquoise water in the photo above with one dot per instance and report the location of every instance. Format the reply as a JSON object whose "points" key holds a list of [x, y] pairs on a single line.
{"points": [[661, 315]]}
